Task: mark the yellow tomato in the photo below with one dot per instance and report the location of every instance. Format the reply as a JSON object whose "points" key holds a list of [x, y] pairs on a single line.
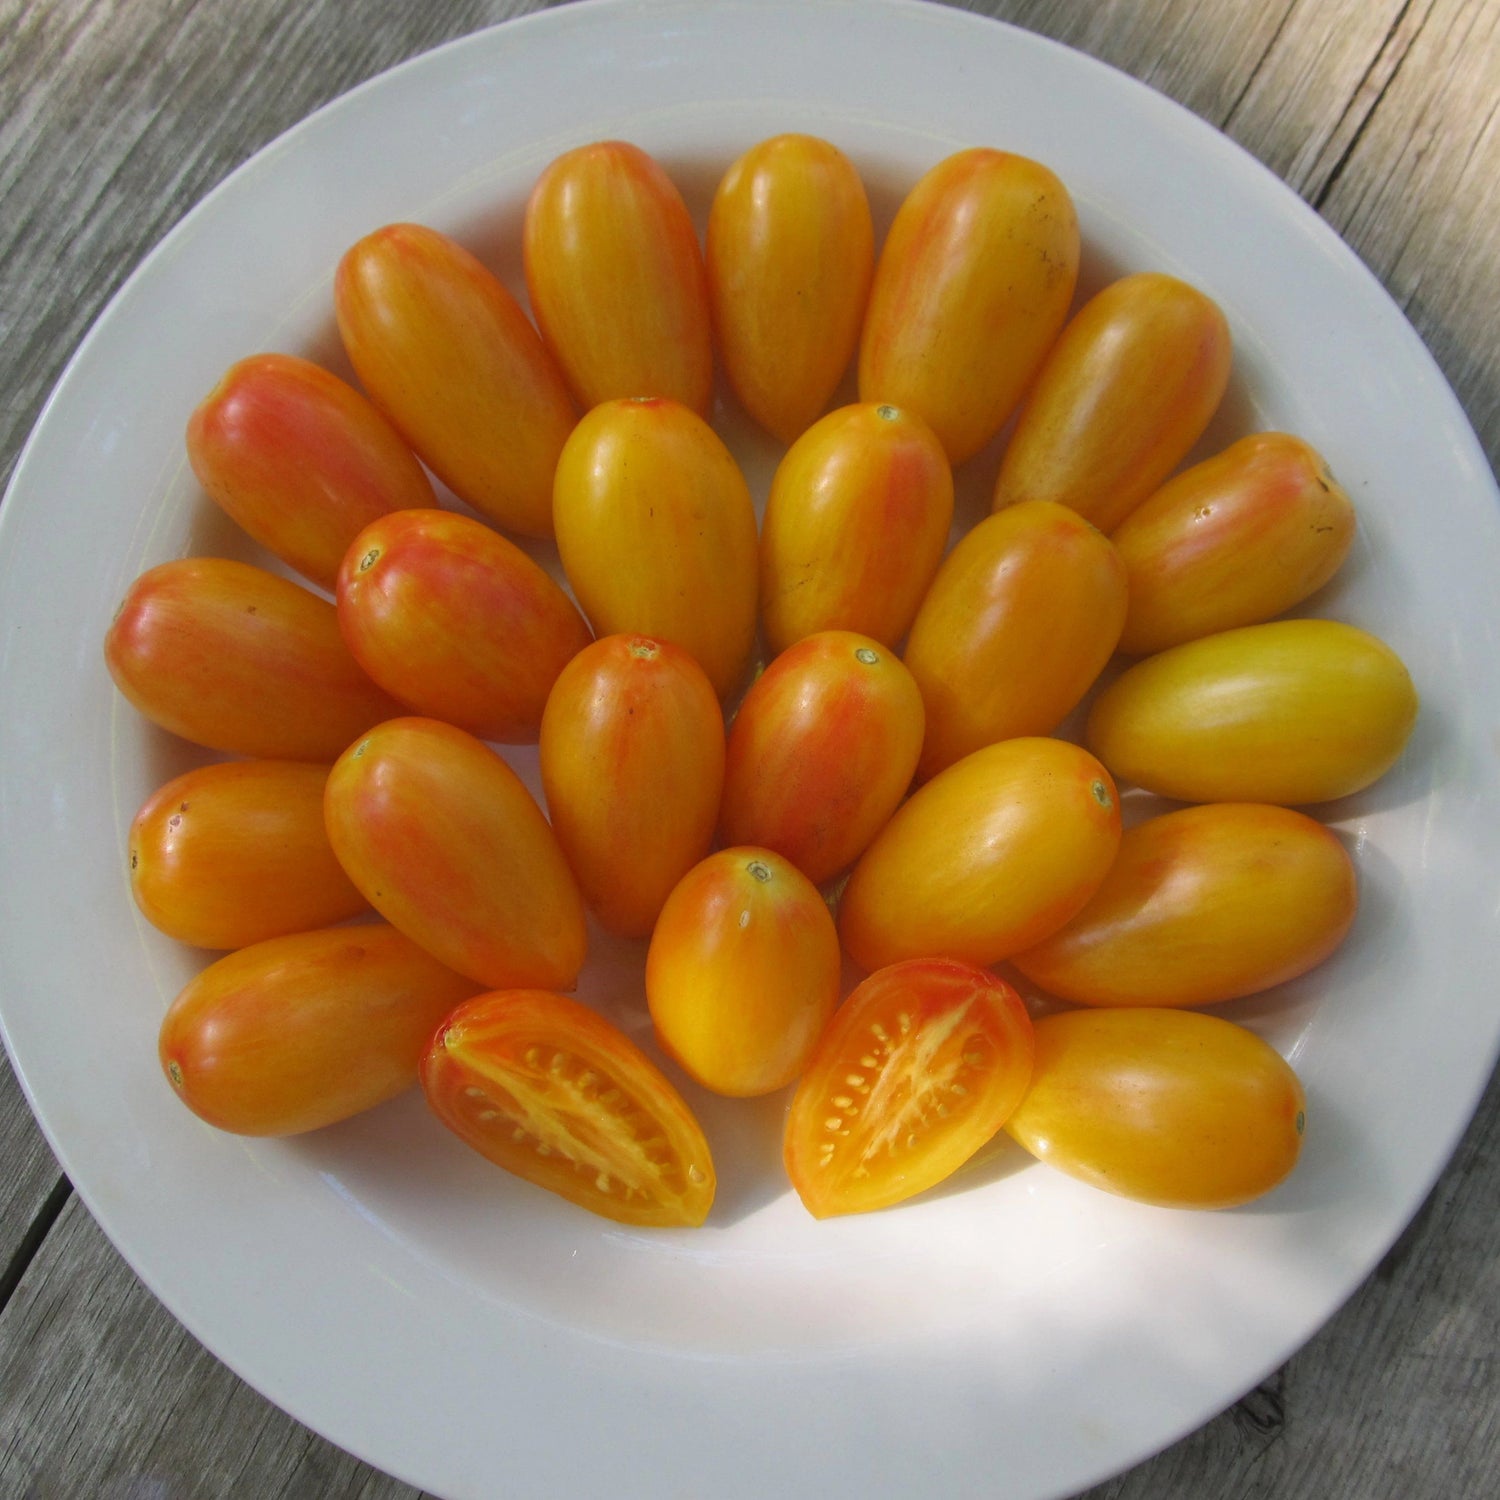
{"points": [[656, 530], [233, 854], [1021, 618], [1203, 905], [987, 859], [855, 526], [1295, 711], [1165, 1106], [1232, 541], [632, 758], [1125, 393], [790, 252], [972, 287], [743, 972], [821, 752], [448, 846], [616, 278], [447, 354]]}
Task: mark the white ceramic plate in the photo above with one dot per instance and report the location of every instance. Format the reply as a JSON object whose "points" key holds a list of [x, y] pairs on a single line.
{"points": [[1012, 1333]]}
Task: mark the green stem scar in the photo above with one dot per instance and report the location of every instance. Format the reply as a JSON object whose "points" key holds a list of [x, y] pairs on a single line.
{"points": [[760, 871]]}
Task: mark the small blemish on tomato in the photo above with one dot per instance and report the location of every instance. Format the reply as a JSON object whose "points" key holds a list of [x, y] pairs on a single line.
{"points": [[1301, 1122]]}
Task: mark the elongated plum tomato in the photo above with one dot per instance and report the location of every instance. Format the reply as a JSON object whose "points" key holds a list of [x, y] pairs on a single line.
{"points": [[1232, 541], [743, 972], [554, 1094], [446, 843], [446, 353], [1294, 711], [919, 1067], [1124, 394], [790, 251], [821, 752], [456, 622], [297, 1032], [656, 530], [1169, 1107], [232, 657], [855, 526], [632, 759], [616, 278], [1020, 620], [990, 857], [301, 460], [972, 286], [232, 854], [1202, 905]]}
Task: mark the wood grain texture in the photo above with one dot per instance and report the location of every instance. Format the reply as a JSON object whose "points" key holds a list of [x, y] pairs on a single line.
{"points": [[120, 114]]}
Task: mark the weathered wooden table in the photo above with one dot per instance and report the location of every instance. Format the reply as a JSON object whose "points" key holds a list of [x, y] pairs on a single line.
{"points": [[118, 115]]}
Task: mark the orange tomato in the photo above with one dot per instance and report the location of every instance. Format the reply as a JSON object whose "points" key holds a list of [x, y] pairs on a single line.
{"points": [[552, 1093], [1021, 618], [1202, 905], [632, 758], [987, 859], [235, 658], [1124, 394], [972, 287], [855, 526], [656, 530], [301, 460], [743, 972], [821, 752], [232, 854], [921, 1065], [447, 354], [1232, 541], [446, 843], [1165, 1106], [617, 279], [298, 1032], [456, 622], [1295, 711], [790, 251]]}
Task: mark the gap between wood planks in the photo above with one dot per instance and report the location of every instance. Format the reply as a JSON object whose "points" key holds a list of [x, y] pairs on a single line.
{"points": [[36, 1232]]}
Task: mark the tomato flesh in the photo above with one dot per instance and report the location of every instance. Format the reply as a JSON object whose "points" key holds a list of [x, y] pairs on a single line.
{"points": [[922, 1064]]}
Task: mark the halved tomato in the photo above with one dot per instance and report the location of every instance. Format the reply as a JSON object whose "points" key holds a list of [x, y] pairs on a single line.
{"points": [[919, 1067], [553, 1093]]}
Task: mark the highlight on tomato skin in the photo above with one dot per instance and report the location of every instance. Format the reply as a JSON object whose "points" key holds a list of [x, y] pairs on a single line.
{"points": [[918, 1069], [551, 1092]]}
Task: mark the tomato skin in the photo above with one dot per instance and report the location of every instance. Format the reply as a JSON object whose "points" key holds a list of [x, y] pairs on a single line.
{"points": [[919, 1067], [743, 972], [1124, 394], [617, 280], [1020, 620], [1203, 905], [237, 659], [972, 287], [855, 526], [301, 460], [456, 622], [821, 752], [1294, 711], [298, 1032], [632, 759], [1170, 1107], [790, 252], [1232, 541], [598, 1123], [446, 353], [656, 530], [232, 854], [445, 842], [986, 859]]}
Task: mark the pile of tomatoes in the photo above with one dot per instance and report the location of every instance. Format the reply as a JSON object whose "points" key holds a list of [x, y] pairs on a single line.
{"points": [[891, 788]]}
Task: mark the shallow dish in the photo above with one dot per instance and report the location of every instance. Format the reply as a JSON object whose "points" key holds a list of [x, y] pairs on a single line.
{"points": [[1013, 1331]]}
